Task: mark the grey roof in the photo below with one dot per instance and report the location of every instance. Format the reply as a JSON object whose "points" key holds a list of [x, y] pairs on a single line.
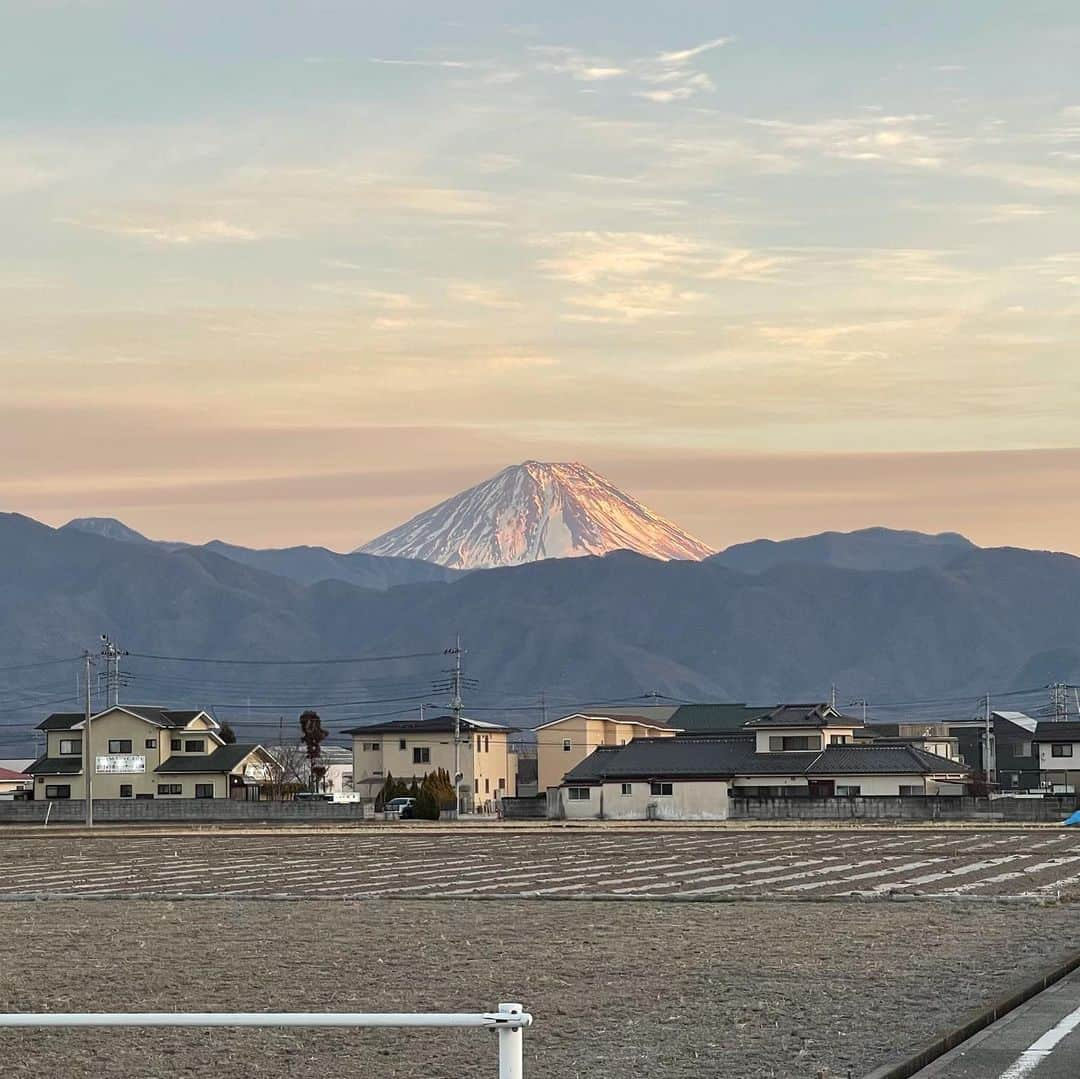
{"points": [[161, 717], [223, 759], [55, 766], [702, 718], [437, 725], [60, 721], [649, 758], [1050, 730], [804, 715]]}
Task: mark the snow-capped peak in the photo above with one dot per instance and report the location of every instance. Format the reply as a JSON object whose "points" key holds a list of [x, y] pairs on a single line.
{"points": [[532, 511]]}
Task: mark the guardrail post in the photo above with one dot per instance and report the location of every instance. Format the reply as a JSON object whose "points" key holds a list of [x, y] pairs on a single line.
{"points": [[511, 1057]]}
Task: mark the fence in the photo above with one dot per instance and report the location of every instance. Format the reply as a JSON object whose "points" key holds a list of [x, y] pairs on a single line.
{"points": [[217, 810], [1047, 810], [509, 1021]]}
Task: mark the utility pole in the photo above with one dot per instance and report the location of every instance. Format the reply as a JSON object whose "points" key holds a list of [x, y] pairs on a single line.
{"points": [[832, 697], [862, 701], [543, 707], [1059, 702], [455, 708], [990, 767], [111, 654], [88, 754]]}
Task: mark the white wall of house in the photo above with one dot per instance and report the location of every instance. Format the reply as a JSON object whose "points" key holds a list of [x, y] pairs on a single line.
{"points": [[636, 800], [1067, 759]]}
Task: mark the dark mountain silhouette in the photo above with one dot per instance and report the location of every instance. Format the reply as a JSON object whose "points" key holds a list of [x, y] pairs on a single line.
{"points": [[866, 549], [306, 565], [581, 629]]}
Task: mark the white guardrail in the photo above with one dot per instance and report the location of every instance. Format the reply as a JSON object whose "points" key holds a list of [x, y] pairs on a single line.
{"points": [[509, 1021]]}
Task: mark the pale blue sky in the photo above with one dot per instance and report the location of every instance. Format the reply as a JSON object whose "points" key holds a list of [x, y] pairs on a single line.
{"points": [[322, 241]]}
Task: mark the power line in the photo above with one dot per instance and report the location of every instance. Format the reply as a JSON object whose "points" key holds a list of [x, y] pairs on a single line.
{"points": [[286, 662]]}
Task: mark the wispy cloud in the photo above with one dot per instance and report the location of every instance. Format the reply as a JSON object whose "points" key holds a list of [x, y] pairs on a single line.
{"points": [[180, 233], [681, 56]]}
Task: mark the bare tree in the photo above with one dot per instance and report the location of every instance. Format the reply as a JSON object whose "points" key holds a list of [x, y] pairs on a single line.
{"points": [[287, 771]]}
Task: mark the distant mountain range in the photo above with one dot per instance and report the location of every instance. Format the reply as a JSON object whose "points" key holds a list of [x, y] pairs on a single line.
{"points": [[533, 511], [580, 629], [305, 565], [867, 549]]}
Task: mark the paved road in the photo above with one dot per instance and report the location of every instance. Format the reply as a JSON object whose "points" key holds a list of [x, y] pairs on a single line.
{"points": [[412, 862], [1041, 1039]]}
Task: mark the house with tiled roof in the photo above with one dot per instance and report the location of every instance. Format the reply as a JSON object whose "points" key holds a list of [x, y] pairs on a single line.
{"points": [[141, 751], [796, 751], [564, 743]]}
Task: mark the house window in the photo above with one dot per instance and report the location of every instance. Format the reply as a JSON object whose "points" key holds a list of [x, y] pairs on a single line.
{"points": [[421, 755], [204, 790], [627, 789], [58, 790], [476, 785], [195, 745], [125, 790], [1023, 749], [661, 789], [579, 794], [176, 745], [119, 745], [70, 747], [170, 788], [848, 791], [1061, 749], [487, 743], [793, 743], [401, 743], [487, 785], [151, 743], [910, 790], [371, 747], [838, 739], [567, 745], [502, 783]]}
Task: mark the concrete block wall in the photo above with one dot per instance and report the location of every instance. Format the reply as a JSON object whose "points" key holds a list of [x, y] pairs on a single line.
{"points": [[219, 810], [1035, 810]]}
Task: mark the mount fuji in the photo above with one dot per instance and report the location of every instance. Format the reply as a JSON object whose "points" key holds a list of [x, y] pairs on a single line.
{"points": [[534, 511]]}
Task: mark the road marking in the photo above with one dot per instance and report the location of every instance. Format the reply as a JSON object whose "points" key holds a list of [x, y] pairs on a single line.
{"points": [[1038, 1051]]}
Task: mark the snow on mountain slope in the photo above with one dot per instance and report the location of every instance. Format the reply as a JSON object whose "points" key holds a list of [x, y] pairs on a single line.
{"points": [[532, 511]]}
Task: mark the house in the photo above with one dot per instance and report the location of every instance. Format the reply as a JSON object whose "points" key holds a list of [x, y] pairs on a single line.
{"points": [[714, 718], [933, 737], [1057, 750], [410, 748], [14, 783], [564, 743], [807, 751], [147, 752], [1013, 759]]}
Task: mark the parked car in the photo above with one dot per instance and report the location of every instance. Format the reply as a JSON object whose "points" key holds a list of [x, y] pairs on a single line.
{"points": [[402, 808]]}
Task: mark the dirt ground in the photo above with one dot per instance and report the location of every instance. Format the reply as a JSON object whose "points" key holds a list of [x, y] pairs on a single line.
{"points": [[617, 989]]}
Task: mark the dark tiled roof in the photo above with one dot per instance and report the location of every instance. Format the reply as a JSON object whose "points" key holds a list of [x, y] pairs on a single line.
{"points": [[55, 766], [804, 715], [439, 725], [60, 721], [703, 718], [647, 758], [224, 759], [161, 717], [1050, 730]]}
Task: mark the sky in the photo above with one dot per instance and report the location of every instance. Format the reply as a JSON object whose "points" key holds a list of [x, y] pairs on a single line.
{"points": [[289, 273]]}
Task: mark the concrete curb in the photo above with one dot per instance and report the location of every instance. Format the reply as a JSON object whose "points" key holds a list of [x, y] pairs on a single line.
{"points": [[977, 1020]]}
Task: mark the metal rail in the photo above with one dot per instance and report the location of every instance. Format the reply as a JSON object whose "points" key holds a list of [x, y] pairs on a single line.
{"points": [[509, 1021]]}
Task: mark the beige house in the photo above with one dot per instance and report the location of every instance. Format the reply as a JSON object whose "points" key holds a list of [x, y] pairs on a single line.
{"points": [[410, 748], [147, 752], [564, 743], [1058, 749]]}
